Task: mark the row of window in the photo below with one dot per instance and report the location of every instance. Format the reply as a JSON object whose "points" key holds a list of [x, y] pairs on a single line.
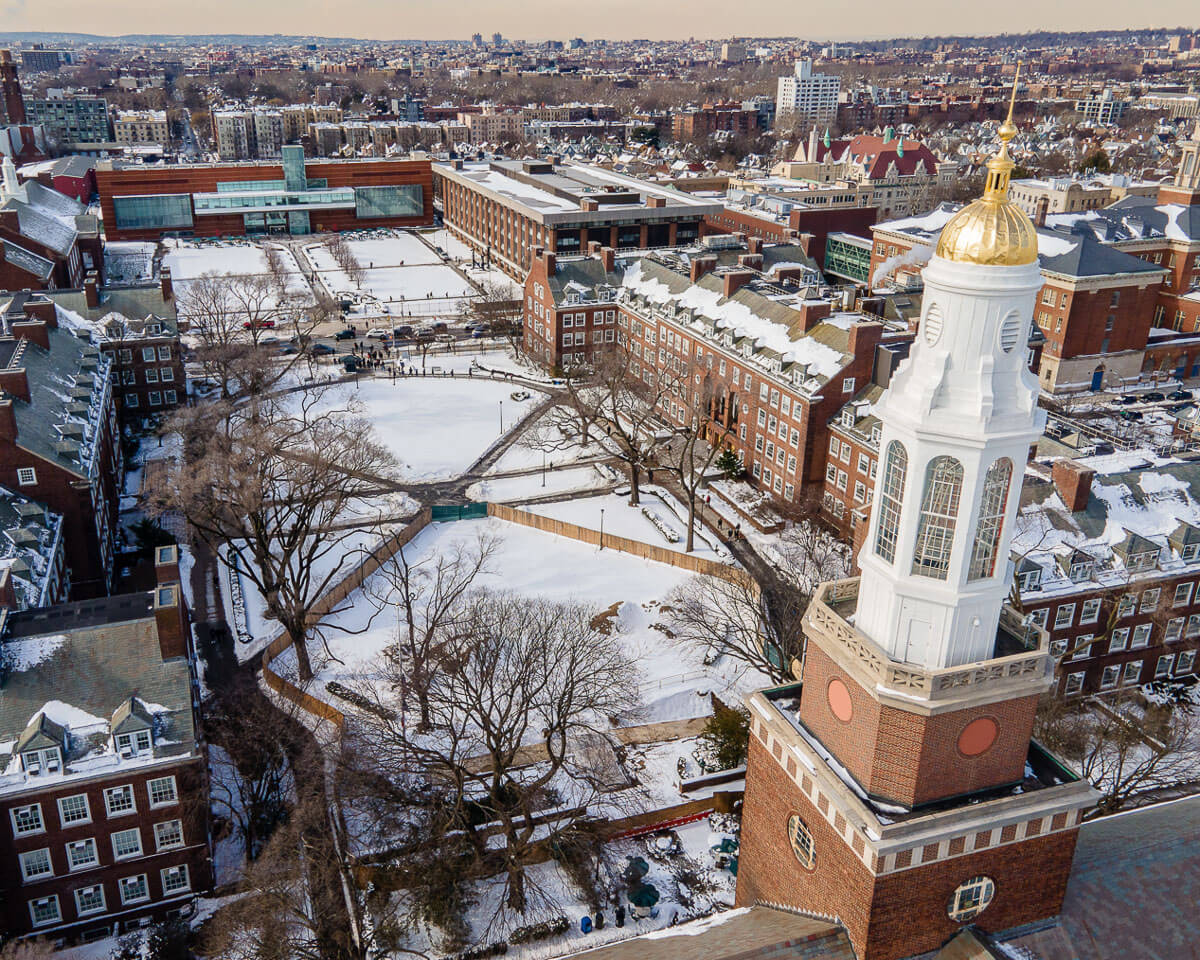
{"points": [[1128, 605], [90, 900], [75, 810], [149, 354], [155, 398], [152, 375], [84, 854], [1168, 665]]}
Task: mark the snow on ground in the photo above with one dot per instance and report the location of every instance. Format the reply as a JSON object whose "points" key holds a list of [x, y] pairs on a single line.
{"points": [[455, 249], [533, 563], [623, 520], [392, 284], [401, 248], [435, 427], [508, 489], [188, 261], [229, 853]]}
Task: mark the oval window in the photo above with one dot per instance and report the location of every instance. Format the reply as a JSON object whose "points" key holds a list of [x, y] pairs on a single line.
{"points": [[840, 703], [977, 737], [932, 325], [971, 898], [801, 841], [1010, 332]]}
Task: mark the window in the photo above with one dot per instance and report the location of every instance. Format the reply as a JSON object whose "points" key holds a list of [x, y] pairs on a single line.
{"points": [[82, 853], [860, 491], [127, 843], [848, 385], [1183, 595], [27, 820], [1141, 636], [134, 889], [971, 898], [1185, 663], [72, 810], [166, 375], [1064, 616], [1039, 617], [131, 400], [1119, 640], [1193, 626], [864, 463], [119, 800], [44, 911], [148, 354], [1174, 630], [155, 398], [169, 396], [89, 900], [36, 864], [939, 512], [991, 519], [164, 353], [1109, 678], [801, 841], [845, 454], [1133, 670], [1081, 647], [1074, 683], [176, 879], [26, 476], [1150, 599], [1127, 605], [896, 466], [168, 835], [162, 791], [1163, 667], [1090, 612], [842, 480]]}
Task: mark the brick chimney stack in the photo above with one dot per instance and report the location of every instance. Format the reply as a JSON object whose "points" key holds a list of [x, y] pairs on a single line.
{"points": [[165, 282], [751, 261], [15, 382], [1073, 482], [811, 313], [608, 259], [34, 331], [1043, 207], [171, 621], [91, 290], [754, 244], [8, 419], [593, 248], [734, 280], [551, 262], [701, 266]]}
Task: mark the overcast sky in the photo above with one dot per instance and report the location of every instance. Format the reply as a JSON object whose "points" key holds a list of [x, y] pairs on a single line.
{"points": [[616, 19]]}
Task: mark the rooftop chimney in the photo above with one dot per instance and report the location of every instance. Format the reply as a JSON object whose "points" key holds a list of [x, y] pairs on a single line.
{"points": [[8, 419], [1073, 482], [593, 248], [14, 381], [551, 263], [701, 266], [656, 202], [608, 259], [1043, 207], [90, 292], [171, 621], [164, 281], [734, 280], [754, 244], [751, 261], [34, 331], [811, 313]]}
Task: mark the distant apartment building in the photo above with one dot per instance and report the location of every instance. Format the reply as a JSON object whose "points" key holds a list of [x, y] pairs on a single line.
{"points": [[504, 209], [1076, 194], [733, 51], [807, 97], [491, 125], [43, 61], [70, 120], [134, 127], [142, 202], [1102, 109], [248, 134], [735, 119], [1177, 106]]}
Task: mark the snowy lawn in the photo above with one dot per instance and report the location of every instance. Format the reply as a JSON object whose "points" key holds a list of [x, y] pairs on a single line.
{"points": [[423, 285], [190, 261], [532, 563], [622, 520], [508, 489], [435, 428], [128, 261]]}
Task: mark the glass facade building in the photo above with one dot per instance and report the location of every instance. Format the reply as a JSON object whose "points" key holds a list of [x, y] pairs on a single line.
{"points": [[164, 211]]}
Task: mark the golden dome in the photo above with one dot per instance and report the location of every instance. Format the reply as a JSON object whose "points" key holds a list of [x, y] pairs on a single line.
{"points": [[992, 230]]}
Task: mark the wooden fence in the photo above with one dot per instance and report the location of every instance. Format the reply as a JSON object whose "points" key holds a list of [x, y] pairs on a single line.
{"points": [[646, 551]]}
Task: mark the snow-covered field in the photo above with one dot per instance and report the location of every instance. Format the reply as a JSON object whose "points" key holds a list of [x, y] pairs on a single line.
{"points": [[126, 261], [405, 249], [532, 563], [507, 489], [396, 269], [188, 261], [435, 428]]}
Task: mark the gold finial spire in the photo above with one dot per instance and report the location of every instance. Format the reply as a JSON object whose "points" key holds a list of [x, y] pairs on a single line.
{"points": [[992, 230]]}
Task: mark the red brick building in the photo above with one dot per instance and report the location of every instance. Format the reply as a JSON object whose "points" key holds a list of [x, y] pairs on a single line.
{"points": [[60, 441], [144, 202], [731, 118], [776, 364], [104, 805]]}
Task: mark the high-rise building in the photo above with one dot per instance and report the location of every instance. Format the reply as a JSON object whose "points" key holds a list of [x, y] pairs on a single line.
{"points": [[71, 120], [12, 104], [806, 96], [897, 789]]}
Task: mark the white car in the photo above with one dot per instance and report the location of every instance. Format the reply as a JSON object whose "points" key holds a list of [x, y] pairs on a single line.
{"points": [[378, 333]]}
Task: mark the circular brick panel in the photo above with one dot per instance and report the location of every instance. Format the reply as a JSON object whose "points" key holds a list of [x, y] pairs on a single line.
{"points": [[839, 700], [977, 736]]}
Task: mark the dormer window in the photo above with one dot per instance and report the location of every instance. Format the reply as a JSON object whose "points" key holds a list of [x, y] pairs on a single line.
{"points": [[1191, 551], [876, 433], [37, 762], [132, 744], [847, 418], [1143, 561], [1081, 571]]}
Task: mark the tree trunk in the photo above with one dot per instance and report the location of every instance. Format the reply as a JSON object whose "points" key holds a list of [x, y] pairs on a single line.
{"points": [[516, 884], [691, 534], [634, 490], [302, 661]]}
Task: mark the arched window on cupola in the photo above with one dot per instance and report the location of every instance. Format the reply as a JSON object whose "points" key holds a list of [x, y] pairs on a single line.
{"points": [[939, 514], [991, 520], [891, 493]]}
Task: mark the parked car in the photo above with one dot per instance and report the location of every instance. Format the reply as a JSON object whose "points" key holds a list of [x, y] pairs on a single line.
{"points": [[475, 325], [404, 330], [259, 325], [378, 333], [440, 327], [1180, 395], [321, 350], [479, 332], [1153, 397], [347, 334], [1130, 415], [351, 363], [1126, 399]]}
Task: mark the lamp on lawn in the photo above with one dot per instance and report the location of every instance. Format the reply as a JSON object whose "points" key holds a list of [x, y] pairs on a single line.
{"points": [[601, 528]]}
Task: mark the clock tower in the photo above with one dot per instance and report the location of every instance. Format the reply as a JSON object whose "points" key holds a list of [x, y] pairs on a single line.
{"points": [[896, 790]]}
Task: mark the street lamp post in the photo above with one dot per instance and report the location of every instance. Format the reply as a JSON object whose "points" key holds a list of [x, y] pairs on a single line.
{"points": [[543, 468], [601, 528], [501, 416]]}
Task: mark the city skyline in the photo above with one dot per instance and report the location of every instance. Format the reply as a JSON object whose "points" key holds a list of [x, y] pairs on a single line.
{"points": [[376, 20]]}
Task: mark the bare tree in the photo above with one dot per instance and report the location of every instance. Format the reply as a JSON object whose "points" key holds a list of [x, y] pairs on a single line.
{"points": [[428, 597], [524, 693], [1122, 747], [696, 443], [267, 486]]}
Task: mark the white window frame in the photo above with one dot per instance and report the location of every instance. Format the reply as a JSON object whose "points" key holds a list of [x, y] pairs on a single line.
{"points": [[153, 785], [1183, 594], [161, 830], [1064, 616], [1090, 611], [89, 843], [1119, 640], [36, 857], [28, 831], [108, 806], [1074, 683], [26, 476], [176, 871], [145, 883], [122, 838], [1185, 662], [34, 904], [83, 891], [79, 821], [1141, 636]]}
